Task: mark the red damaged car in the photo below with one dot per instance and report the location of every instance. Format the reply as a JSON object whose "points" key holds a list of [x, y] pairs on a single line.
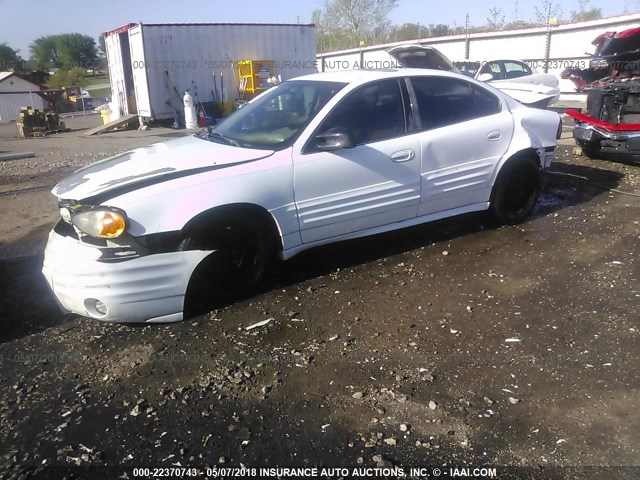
{"points": [[612, 84]]}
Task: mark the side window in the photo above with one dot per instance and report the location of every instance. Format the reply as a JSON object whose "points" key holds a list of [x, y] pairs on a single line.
{"points": [[372, 113], [443, 101], [494, 69], [516, 69], [487, 102]]}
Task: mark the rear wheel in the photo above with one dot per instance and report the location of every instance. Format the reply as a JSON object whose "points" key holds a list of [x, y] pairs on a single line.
{"points": [[516, 191], [242, 254]]}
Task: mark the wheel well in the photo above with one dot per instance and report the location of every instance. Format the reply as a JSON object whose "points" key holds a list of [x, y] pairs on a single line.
{"points": [[529, 154], [244, 211]]}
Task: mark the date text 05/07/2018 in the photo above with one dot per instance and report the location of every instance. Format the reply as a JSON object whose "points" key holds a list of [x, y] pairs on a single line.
{"points": [[313, 472]]}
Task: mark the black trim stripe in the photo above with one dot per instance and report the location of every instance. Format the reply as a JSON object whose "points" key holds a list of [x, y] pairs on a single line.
{"points": [[130, 187]]}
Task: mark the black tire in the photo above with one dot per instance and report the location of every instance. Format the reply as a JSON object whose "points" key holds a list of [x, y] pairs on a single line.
{"points": [[242, 256], [516, 191], [590, 149]]}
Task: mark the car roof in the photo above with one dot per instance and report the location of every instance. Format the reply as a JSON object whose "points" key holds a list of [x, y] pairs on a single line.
{"points": [[367, 75]]}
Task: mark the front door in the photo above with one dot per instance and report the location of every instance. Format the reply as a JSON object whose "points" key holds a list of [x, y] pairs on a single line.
{"points": [[375, 183]]}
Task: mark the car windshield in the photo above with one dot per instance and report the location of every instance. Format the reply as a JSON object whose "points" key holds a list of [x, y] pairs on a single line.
{"points": [[275, 119]]}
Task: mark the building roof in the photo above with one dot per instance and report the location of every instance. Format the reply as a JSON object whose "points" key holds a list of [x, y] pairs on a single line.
{"points": [[5, 75], [126, 27]]}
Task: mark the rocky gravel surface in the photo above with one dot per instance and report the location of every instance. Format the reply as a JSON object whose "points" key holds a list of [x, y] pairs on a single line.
{"points": [[451, 344]]}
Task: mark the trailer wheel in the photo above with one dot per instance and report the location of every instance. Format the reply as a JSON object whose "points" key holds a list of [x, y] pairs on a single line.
{"points": [[516, 191]]}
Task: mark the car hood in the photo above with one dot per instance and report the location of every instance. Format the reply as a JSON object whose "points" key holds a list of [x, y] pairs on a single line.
{"points": [[152, 164]]}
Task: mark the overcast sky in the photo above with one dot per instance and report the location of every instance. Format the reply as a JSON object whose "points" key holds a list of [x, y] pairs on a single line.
{"points": [[22, 21]]}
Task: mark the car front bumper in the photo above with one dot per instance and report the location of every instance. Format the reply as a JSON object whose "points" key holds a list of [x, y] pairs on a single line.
{"points": [[620, 141], [149, 288], [618, 137]]}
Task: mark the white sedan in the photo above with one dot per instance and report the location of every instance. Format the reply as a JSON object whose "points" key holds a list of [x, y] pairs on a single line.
{"points": [[315, 160], [515, 78]]}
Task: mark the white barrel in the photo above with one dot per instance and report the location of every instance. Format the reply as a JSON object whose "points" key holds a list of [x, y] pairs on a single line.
{"points": [[190, 118]]}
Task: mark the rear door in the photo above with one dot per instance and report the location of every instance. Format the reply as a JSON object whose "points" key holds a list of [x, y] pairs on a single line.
{"points": [[140, 82], [465, 131]]}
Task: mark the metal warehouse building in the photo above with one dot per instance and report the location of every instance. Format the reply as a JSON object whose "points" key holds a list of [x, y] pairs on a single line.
{"points": [[16, 92]]}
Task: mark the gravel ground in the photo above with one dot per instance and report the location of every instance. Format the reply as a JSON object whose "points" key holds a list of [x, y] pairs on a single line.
{"points": [[450, 344]]}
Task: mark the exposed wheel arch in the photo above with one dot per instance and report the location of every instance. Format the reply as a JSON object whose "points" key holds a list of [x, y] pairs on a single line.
{"points": [[517, 187], [244, 240], [244, 211]]}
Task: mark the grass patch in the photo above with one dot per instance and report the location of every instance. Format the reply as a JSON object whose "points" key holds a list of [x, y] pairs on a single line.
{"points": [[97, 80], [100, 93], [89, 80]]}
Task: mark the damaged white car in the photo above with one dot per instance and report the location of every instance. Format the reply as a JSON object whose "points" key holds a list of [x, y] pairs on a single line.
{"points": [[315, 160]]}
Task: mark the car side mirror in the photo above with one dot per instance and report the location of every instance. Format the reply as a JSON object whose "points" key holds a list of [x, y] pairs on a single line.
{"points": [[485, 77], [334, 139]]}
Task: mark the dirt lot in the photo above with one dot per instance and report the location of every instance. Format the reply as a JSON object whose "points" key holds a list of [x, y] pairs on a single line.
{"points": [[456, 343]]}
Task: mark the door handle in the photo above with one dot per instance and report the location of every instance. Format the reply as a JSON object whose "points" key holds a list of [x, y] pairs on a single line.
{"points": [[494, 136], [402, 156]]}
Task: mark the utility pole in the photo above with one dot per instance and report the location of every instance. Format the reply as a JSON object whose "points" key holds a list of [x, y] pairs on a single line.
{"points": [[467, 37]]}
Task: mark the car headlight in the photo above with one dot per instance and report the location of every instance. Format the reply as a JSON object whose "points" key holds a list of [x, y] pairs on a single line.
{"points": [[101, 222]]}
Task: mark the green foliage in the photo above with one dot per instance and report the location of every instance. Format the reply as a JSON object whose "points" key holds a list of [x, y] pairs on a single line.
{"points": [[352, 23], [102, 48], [66, 51], [584, 13], [66, 78], [409, 31], [439, 30], [10, 60]]}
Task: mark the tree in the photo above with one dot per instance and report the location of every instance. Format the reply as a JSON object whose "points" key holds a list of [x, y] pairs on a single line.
{"points": [[349, 23], [584, 14], [102, 48], [439, 30], [71, 77], [10, 59], [517, 22], [64, 51], [102, 53], [495, 21], [546, 12], [408, 31]]}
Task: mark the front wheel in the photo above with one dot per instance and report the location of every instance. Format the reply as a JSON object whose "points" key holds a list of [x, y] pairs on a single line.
{"points": [[240, 258], [516, 191]]}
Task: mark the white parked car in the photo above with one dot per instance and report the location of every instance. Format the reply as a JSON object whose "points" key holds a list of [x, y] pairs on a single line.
{"points": [[513, 77], [516, 79], [315, 160]]}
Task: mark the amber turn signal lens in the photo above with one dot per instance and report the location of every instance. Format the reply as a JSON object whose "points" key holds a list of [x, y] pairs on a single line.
{"points": [[101, 222]]}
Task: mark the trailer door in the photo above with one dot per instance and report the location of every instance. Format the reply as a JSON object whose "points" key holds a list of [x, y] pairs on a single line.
{"points": [[138, 65]]}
